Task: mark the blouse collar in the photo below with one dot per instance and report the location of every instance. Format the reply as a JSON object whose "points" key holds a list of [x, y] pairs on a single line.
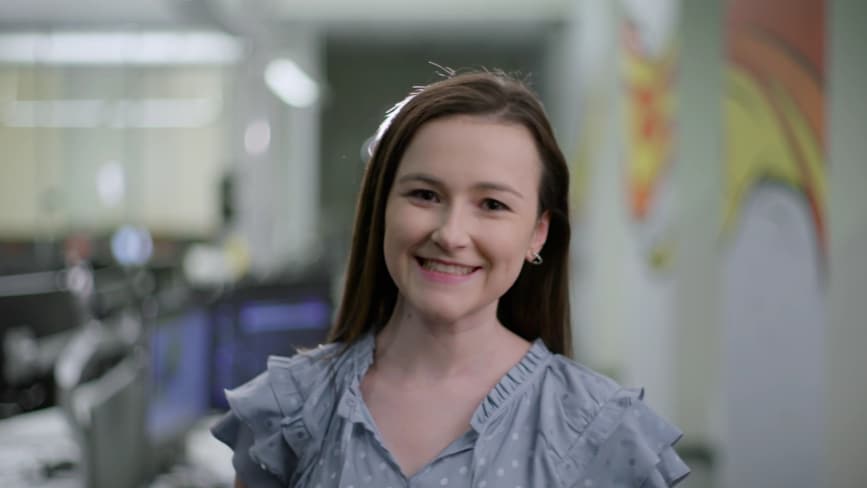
{"points": [[510, 384], [499, 396]]}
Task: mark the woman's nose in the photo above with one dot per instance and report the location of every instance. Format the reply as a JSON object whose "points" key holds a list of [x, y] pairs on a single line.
{"points": [[452, 231]]}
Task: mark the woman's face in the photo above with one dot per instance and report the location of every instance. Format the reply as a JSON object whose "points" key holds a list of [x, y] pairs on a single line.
{"points": [[462, 216]]}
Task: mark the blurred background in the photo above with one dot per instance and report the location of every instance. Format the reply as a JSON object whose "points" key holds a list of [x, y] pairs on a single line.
{"points": [[178, 180]]}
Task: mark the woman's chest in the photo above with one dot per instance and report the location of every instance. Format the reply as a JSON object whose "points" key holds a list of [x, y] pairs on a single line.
{"points": [[357, 459], [416, 426], [417, 421]]}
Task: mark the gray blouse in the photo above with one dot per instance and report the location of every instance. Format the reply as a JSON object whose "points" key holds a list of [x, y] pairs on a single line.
{"points": [[549, 422]]}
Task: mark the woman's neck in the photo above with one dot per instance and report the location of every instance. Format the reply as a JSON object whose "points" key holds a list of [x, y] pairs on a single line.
{"points": [[412, 346]]}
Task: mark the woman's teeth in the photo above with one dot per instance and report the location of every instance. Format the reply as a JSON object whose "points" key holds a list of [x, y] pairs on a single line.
{"points": [[446, 268]]}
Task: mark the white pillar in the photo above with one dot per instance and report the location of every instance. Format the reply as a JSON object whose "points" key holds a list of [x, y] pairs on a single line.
{"points": [[278, 159], [846, 375]]}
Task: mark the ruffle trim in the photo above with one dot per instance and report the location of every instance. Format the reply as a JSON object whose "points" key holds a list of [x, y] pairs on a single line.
{"points": [[536, 357], [625, 444], [280, 408]]}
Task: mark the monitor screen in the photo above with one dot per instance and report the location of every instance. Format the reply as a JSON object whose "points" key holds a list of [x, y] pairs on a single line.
{"points": [[251, 327], [43, 322], [44, 313], [180, 352]]}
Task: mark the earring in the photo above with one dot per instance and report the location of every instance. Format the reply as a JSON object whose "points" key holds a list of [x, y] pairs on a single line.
{"points": [[537, 259]]}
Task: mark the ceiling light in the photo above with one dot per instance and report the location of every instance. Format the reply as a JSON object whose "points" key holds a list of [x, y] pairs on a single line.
{"points": [[133, 48], [290, 83]]}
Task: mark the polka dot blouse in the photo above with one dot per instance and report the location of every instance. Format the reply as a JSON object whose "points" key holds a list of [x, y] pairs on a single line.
{"points": [[549, 422]]}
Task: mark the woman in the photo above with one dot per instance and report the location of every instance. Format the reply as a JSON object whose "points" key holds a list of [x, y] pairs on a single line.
{"points": [[446, 364]]}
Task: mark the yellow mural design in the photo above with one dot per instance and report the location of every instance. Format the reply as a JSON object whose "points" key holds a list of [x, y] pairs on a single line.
{"points": [[649, 118], [650, 107], [765, 145], [774, 106]]}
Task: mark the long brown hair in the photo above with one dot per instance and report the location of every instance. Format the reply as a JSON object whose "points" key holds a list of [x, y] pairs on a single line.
{"points": [[537, 304]]}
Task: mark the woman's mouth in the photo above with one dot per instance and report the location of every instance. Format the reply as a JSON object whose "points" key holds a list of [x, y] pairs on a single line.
{"points": [[445, 268]]}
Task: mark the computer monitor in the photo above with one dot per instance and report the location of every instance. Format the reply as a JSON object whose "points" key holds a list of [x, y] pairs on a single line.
{"points": [[255, 323], [45, 312], [102, 391], [180, 345], [43, 320]]}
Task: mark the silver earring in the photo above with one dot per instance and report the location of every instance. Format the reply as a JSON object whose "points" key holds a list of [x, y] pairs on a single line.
{"points": [[537, 260]]}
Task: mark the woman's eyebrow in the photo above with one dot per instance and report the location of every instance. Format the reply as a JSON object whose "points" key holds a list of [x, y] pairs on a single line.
{"points": [[484, 185], [420, 177]]}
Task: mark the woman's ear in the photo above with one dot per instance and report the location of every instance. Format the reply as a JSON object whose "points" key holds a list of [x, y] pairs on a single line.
{"points": [[540, 232]]}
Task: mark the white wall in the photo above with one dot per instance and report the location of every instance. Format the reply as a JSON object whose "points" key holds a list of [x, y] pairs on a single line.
{"points": [[698, 179], [598, 232], [846, 437], [278, 189]]}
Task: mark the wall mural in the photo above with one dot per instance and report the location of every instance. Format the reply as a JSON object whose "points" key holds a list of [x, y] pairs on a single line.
{"points": [[775, 106], [774, 242], [648, 65], [648, 74]]}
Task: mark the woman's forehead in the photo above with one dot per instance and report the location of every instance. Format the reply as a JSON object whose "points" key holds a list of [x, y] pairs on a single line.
{"points": [[472, 144]]}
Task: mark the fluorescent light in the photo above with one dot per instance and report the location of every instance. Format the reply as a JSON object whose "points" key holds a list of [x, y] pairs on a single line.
{"points": [[107, 48], [19, 48], [123, 113], [53, 113], [257, 137], [110, 184], [290, 83], [169, 112]]}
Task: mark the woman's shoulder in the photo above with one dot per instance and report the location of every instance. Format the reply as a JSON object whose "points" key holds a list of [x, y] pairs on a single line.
{"points": [[569, 377], [598, 429], [289, 382], [570, 397], [305, 368], [278, 414]]}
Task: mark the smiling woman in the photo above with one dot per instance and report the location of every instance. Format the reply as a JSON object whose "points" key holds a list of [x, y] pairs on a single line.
{"points": [[447, 362], [462, 216]]}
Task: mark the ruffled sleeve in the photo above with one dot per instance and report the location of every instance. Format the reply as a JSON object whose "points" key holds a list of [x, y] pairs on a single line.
{"points": [[626, 444], [270, 426]]}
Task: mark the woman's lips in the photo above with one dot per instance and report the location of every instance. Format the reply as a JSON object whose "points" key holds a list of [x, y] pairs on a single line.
{"points": [[445, 271]]}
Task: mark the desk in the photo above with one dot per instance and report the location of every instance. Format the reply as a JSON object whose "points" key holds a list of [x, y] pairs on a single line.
{"points": [[39, 449]]}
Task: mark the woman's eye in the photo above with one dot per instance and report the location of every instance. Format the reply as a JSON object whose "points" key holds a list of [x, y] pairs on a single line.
{"points": [[491, 204], [426, 195]]}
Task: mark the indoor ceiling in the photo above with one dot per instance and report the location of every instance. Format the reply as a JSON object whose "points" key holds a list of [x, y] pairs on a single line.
{"points": [[89, 13]]}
